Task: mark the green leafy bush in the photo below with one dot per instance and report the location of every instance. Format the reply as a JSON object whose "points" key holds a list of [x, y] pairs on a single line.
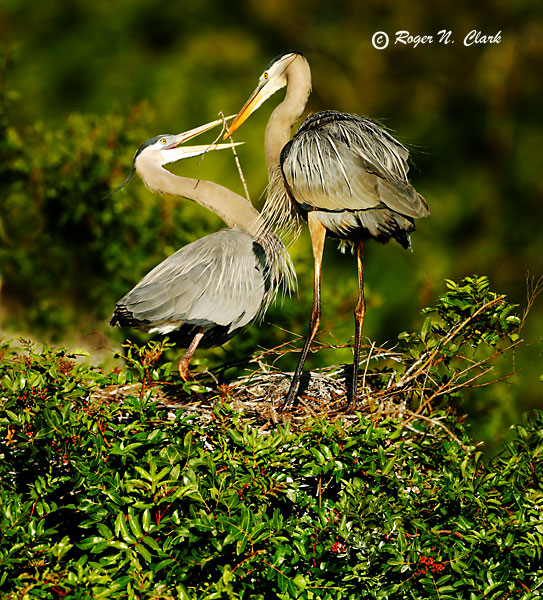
{"points": [[456, 348], [107, 493]]}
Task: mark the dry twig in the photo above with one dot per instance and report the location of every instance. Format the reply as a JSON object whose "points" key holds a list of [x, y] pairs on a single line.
{"points": [[236, 159]]}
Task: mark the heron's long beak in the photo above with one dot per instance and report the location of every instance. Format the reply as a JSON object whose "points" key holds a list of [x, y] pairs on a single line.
{"points": [[188, 151], [176, 151], [255, 100], [192, 133]]}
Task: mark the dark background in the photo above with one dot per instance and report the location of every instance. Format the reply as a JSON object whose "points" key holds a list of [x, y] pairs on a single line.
{"points": [[84, 83]]}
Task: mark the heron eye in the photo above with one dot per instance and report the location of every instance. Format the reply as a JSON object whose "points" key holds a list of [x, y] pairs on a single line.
{"points": [[265, 75], [163, 141]]}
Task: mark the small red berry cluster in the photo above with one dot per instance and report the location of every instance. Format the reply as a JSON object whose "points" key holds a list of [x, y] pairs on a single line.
{"points": [[335, 517], [429, 563], [87, 409], [243, 489], [255, 484], [61, 447], [32, 394], [338, 547], [29, 432]]}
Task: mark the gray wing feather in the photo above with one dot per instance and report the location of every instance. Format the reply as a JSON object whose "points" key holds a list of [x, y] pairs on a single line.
{"points": [[351, 164], [216, 280]]}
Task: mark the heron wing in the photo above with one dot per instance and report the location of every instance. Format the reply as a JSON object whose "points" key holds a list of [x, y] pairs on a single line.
{"points": [[345, 162], [216, 280]]}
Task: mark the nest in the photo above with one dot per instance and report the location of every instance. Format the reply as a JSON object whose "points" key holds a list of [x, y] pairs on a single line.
{"points": [[258, 397]]}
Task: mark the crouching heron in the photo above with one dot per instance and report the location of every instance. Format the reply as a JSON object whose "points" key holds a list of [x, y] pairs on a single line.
{"points": [[209, 290]]}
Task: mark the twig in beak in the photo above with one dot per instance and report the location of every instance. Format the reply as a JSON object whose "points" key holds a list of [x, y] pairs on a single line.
{"points": [[238, 164]]}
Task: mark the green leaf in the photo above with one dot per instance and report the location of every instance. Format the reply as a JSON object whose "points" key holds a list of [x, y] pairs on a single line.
{"points": [[121, 528], [142, 550], [151, 542], [135, 526], [105, 532], [389, 466], [146, 519]]}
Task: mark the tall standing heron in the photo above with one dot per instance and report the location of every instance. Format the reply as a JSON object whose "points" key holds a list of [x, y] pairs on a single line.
{"points": [[209, 290], [342, 173]]}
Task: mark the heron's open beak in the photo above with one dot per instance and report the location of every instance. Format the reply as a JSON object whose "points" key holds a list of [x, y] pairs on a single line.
{"points": [[192, 133], [255, 100], [188, 151]]}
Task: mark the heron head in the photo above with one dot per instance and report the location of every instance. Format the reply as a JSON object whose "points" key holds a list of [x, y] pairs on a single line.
{"points": [[167, 148], [273, 79]]}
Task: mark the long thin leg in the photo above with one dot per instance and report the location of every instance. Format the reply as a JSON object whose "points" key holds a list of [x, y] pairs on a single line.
{"points": [[359, 312], [183, 366], [318, 235]]}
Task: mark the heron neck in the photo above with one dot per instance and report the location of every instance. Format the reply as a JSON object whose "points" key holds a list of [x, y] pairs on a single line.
{"points": [[282, 119], [232, 208]]}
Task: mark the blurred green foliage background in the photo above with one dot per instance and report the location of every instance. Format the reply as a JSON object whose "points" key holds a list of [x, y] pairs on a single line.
{"points": [[84, 82]]}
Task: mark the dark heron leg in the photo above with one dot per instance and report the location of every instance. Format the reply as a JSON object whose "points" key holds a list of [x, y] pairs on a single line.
{"points": [[318, 234], [359, 313], [183, 366]]}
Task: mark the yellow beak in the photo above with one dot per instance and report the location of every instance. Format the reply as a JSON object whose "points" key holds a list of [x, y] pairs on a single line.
{"points": [[192, 133], [248, 108]]}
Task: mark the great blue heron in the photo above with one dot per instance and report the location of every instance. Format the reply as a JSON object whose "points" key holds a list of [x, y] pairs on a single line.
{"points": [[206, 292], [343, 173]]}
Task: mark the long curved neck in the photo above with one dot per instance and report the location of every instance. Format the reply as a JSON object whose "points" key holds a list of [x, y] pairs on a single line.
{"points": [[232, 208], [282, 119]]}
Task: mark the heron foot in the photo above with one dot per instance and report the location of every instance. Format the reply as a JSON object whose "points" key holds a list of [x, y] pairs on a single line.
{"points": [[184, 372], [300, 382], [288, 402]]}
